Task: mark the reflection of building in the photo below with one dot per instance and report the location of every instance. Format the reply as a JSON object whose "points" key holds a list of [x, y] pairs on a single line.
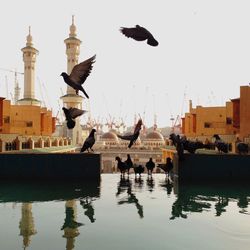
{"points": [[70, 226], [26, 225], [71, 99], [230, 120]]}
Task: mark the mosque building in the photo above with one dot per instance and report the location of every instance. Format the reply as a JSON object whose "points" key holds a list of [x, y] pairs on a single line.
{"points": [[26, 124]]}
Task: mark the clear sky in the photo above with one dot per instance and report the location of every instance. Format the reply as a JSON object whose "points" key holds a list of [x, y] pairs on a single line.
{"points": [[203, 53]]}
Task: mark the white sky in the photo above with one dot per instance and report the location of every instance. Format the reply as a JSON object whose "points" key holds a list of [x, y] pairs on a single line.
{"points": [[203, 52]]}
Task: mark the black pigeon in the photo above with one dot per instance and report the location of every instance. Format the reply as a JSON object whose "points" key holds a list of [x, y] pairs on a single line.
{"points": [[167, 167], [71, 114], [139, 33], [79, 74], [129, 162], [89, 142], [122, 166], [138, 169], [132, 138], [220, 145], [150, 166]]}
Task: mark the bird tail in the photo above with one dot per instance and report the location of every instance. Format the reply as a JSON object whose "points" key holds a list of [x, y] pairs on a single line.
{"points": [[84, 92]]}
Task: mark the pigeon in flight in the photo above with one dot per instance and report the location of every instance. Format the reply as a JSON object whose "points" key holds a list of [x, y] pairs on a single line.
{"points": [[139, 33], [132, 138], [89, 142], [71, 114], [79, 74]]}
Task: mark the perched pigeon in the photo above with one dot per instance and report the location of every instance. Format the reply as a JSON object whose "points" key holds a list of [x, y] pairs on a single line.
{"points": [[71, 114], [167, 167], [150, 166], [220, 145], [122, 166], [139, 34], [89, 142], [129, 162], [79, 74], [132, 138]]}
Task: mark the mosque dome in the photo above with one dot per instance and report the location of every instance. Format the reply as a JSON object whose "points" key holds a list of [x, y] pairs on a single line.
{"points": [[109, 136], [153, 136]]}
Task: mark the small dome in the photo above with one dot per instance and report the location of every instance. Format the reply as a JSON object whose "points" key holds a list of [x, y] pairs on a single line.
{"points": [[155, 135], [109, 136]]}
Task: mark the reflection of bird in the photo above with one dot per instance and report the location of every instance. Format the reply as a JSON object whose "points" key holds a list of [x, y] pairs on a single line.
{"points": [[71, 114], [89, 142], [150, 166], [220, 145], [129, 162], [89, 209], [166, 167], [79, 74], [122, 166], [132, 138], [139, 33]]}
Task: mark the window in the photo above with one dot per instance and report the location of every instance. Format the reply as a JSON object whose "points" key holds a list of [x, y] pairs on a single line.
{"points": [[229, 120], [29, 124], [207, 125], [6, 119]]}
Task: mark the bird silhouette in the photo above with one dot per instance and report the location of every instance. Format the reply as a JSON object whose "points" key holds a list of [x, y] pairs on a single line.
{"points": [[129, 162], [138, 169], [71, 114], [150, 166], [122, 166], [220, 145], [133, 137], [167, 167], [89, 142], [139, 33], [79, 74]]}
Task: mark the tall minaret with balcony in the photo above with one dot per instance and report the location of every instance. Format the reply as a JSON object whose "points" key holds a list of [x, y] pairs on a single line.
{"points": [[29, 59], [71, 99]]}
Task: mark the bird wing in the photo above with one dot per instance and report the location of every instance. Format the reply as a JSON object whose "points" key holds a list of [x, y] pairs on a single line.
{"points": [[136, 33], [75, 112], [138, 126], [126, 137], [81, 71]]}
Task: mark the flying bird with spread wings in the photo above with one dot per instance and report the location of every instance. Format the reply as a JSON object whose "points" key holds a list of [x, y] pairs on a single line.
{"points": [[139, 33], [71, 114], [79, 74], [133, 137]]}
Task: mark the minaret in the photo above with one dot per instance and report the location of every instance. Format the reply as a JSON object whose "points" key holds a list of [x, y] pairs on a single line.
{"points": [[70, 225], [29, 59], [16, 90], [71, 99], [26, 225]]}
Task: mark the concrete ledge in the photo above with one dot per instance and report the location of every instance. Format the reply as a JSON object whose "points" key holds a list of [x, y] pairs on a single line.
{"points": [[56, 166], [214, 167]]}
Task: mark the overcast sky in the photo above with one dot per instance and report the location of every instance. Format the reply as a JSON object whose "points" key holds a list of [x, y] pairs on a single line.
{"points": [[203, 53]]}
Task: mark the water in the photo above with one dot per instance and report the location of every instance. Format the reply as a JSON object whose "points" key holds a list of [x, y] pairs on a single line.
{"points": [[124, 214]]}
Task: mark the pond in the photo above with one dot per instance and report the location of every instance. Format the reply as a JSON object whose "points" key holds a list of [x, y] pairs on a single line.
{"points": [[124, 213]]}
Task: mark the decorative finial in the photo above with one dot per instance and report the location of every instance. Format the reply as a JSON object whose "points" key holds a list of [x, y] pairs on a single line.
{"points": [[29, 38], [72, 28]]}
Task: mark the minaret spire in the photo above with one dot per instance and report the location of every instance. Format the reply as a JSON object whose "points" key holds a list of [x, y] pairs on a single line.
{"points": [[72, 28], [29, 59]]}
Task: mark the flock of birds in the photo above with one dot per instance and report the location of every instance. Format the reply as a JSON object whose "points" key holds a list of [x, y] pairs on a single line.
{"points": [[125, 166], [182, 143], [78, 76], [81, 71]]}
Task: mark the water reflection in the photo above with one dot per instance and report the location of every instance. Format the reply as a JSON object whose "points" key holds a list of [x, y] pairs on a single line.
{"points": [[150, 183], [209, 197], [125, 185], [29, 193]]}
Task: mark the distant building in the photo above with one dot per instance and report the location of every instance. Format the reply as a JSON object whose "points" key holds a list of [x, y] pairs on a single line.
{"points": [[230, 121]]}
